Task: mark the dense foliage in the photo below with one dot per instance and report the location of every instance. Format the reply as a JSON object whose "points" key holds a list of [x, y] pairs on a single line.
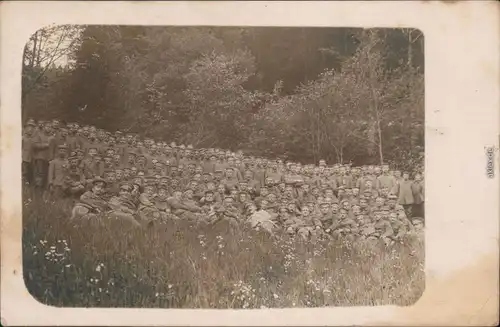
{"points": [[302, 93]]}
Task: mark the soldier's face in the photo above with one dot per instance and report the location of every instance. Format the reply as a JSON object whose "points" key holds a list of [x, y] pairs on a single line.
{"points": [[264, 191], [188, 194], [305, 211], [324, 209], [341, 193], [243, 197], [61, 152], [335, 208], [397, 174], [356, 210], [329, 193], [148, 190], [355, 191], [119, 175], [209, 197], [363, 203], [315, 191], [229, 173]]}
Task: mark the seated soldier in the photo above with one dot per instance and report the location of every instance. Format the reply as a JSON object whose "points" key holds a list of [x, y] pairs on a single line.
{"points": [[147, 211], [123, 207], [310, 224], [344, 227], [326, 217], [183, 207], [226, 211], [400, 228], [383, 228], [91, 202], [74, 182], [161, 204], [282, 217]]}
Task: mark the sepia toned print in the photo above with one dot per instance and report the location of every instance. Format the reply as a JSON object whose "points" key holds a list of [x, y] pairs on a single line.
{"points": [[223, 167]]}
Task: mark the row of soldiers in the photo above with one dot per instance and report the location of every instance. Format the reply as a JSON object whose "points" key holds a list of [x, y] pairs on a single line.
{"points": [[146, 182]]}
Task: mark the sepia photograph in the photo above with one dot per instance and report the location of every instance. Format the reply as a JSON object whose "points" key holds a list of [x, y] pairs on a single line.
{"points": [[223, 167], [258, 163]]}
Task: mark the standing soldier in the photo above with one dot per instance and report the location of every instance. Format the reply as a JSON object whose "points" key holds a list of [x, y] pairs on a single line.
{"points": [[404, 191], [418, 191], [29, 137], [41, 155], [385, 180], [57, 171]]}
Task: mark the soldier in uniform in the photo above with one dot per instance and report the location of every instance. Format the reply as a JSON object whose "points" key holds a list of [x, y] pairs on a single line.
{"points": [[28, 140], [57, 172], [123, 207], [91, 203]]}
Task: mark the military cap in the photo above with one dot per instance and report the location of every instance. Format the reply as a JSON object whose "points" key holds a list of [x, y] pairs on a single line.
{"points": [[98, 179], [126, 186], [30, 122]]}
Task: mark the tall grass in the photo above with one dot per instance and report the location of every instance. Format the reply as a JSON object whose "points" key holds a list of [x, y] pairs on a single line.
{"points": [[176, 265]]}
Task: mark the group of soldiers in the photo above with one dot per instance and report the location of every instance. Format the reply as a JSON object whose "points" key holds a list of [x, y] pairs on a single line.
{"points": [[147, 182]]}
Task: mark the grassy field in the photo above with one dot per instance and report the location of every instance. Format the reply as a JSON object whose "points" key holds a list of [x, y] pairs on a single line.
{"points": [[179, 266]]}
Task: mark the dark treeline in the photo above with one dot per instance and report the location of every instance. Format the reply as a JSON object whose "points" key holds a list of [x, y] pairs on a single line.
{"points": [[305, 94]]}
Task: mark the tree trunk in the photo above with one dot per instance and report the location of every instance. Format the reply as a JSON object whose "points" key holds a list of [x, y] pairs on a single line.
{"points": [[374, 106]]}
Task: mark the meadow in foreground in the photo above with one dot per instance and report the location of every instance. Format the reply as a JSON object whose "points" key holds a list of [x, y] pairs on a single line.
{"points": [[104, 264]]}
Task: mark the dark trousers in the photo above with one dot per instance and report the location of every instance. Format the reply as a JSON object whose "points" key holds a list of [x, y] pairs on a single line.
{"points": [[418, 210], [40, 172], [27, 171], [408, 210]]}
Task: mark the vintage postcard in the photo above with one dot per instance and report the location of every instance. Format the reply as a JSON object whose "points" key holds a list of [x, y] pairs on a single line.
{"points": [[250, 163]]}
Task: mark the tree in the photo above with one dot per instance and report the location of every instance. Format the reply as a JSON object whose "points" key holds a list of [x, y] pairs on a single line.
{"points": [[43, 50]]}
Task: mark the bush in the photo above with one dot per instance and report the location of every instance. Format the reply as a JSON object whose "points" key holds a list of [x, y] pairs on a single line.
{"points": [[176, 265]]}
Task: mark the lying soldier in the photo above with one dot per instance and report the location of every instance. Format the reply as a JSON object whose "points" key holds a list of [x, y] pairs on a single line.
{"points": [[260, 219], [123, 208], [91, 202], [183, 209]]}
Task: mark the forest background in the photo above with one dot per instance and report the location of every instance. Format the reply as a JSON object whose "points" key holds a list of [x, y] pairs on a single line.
{"points": [[304, 94]]}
